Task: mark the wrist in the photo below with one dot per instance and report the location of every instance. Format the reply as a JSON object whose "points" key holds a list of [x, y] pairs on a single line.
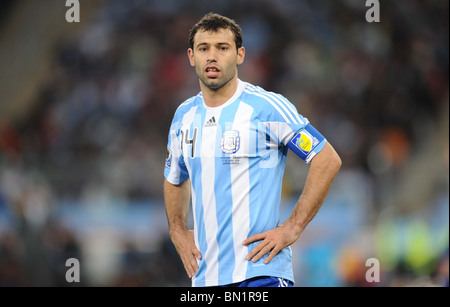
{"points": [[295, 224], [176, 230]]}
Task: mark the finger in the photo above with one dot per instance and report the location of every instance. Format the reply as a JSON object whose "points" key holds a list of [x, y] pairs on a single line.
{"points": [[197, 254], [254, 238], [272, 254], [194, 262], [263, 252], [190, 265], [188, 268], [256, 250], [191, 270]]}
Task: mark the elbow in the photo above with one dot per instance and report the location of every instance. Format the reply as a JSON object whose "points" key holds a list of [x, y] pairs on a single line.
{"points": [[335, 162], [337, 159], [329, 159]]}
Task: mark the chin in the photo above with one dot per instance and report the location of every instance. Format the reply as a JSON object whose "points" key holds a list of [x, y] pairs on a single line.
{"points": [[213, 84]]}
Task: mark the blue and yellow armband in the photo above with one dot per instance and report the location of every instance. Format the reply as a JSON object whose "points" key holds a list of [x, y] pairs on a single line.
{"points": [[307, 143]]}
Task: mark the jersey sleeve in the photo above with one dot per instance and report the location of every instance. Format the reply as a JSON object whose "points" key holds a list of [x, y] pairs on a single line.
{"points": [[291, 129], [281, 118], [175, 170]]}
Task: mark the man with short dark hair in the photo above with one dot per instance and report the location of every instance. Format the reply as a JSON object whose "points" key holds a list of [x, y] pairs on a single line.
{"points": [[227, 152]]}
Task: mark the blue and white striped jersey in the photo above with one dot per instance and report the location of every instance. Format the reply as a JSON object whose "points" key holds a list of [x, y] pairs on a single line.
{"points": [[235, 157]]}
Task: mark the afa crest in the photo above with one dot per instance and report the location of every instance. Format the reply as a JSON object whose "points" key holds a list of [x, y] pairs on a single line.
{"points": [[231, 142]]}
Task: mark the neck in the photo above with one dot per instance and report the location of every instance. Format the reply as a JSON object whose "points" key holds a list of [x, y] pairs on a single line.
{"points": [[216, 98]]}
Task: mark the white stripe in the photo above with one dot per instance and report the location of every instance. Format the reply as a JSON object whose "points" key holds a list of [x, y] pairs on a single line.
{"points": [[281, 282], [174, 173], [285, 104], [282, 131], [288, 105], [240, 193], [272, 103], [276, 100], [190, 100], [209, 206], [188, 117]]}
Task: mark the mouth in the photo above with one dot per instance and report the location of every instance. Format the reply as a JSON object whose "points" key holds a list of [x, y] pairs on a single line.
{"points": [[212, 71]]}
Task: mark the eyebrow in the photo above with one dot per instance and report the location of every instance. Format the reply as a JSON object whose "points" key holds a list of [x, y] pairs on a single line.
{"points": [[207, 44]]}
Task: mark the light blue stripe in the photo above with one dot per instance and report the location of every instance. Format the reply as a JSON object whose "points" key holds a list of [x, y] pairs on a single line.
{"points": [[199, 213], [224, 201], [196, 180]]}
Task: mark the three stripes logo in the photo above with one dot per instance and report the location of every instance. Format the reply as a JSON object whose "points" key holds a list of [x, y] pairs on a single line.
{"points": [[211, 123]]}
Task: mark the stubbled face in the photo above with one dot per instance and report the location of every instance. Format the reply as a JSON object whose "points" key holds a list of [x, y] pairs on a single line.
{"points": [[215, 57]]}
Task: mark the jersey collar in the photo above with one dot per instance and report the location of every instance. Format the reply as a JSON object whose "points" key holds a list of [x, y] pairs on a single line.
{"points": [[240, 89]]}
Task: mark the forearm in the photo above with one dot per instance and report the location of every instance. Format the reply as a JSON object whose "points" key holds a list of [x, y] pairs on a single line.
{"points": [[323, 170], [177, 199]]}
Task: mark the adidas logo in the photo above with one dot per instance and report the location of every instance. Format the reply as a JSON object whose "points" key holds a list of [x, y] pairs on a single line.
{"points": [[211, 123]]}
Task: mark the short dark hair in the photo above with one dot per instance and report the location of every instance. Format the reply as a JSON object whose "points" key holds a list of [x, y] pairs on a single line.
{"points": [[214, 22]]}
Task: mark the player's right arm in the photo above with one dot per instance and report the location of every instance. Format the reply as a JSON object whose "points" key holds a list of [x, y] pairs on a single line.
{"points": [[177, 199]]}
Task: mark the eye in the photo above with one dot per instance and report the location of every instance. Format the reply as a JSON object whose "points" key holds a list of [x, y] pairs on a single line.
{"points": [[224, 48]]}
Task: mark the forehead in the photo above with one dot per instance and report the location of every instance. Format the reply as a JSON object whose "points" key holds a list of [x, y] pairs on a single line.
{"points": [[214, 37]]}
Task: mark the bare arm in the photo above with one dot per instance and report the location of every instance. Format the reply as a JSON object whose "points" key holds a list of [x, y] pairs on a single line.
{"points": [[177, 198], [323, 170]]}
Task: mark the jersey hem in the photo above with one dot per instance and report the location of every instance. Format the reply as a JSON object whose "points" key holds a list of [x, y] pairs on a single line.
{"points": [[241, 278], [174, 181]]}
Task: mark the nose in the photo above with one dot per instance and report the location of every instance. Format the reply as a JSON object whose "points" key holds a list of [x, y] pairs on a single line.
{"points": [[211, 55]]}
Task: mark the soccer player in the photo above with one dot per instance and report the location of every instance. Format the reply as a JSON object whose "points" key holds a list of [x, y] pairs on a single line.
{"points": [[226, 153]]}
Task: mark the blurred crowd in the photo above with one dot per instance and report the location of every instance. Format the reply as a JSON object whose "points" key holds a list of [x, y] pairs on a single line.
{"points": [[95, 138]]}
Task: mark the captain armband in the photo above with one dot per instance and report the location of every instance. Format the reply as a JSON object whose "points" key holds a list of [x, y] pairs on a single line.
{"points": [[307, 143]]}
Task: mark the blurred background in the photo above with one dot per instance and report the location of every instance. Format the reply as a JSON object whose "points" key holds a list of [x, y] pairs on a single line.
{"points": [[85, 110]]}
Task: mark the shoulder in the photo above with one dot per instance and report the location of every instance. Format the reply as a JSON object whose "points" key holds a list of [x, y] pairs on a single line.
{"points": [[186, 107], [266, 99], [260, 92], [271, 104]]}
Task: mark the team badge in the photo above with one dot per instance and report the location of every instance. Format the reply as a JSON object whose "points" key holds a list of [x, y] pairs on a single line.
{"points": [[168, 157], [231, 142]]}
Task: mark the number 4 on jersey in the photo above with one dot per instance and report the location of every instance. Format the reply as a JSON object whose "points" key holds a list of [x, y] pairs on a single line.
{"points": [[186, 140]]}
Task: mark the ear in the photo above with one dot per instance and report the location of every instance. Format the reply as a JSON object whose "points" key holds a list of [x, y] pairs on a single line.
{"points": [[191, 56], [241, 55]]}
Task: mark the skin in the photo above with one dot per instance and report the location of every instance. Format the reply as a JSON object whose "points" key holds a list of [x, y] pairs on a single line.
{"points": [[177, 200], [218, 50]]}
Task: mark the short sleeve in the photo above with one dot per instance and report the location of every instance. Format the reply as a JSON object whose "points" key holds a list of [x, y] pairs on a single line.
{"points": [[288, 128], [175, 170], [282, 118]]}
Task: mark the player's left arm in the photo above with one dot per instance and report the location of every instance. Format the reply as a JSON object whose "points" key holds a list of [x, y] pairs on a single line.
{"points": [[324, 168]]}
